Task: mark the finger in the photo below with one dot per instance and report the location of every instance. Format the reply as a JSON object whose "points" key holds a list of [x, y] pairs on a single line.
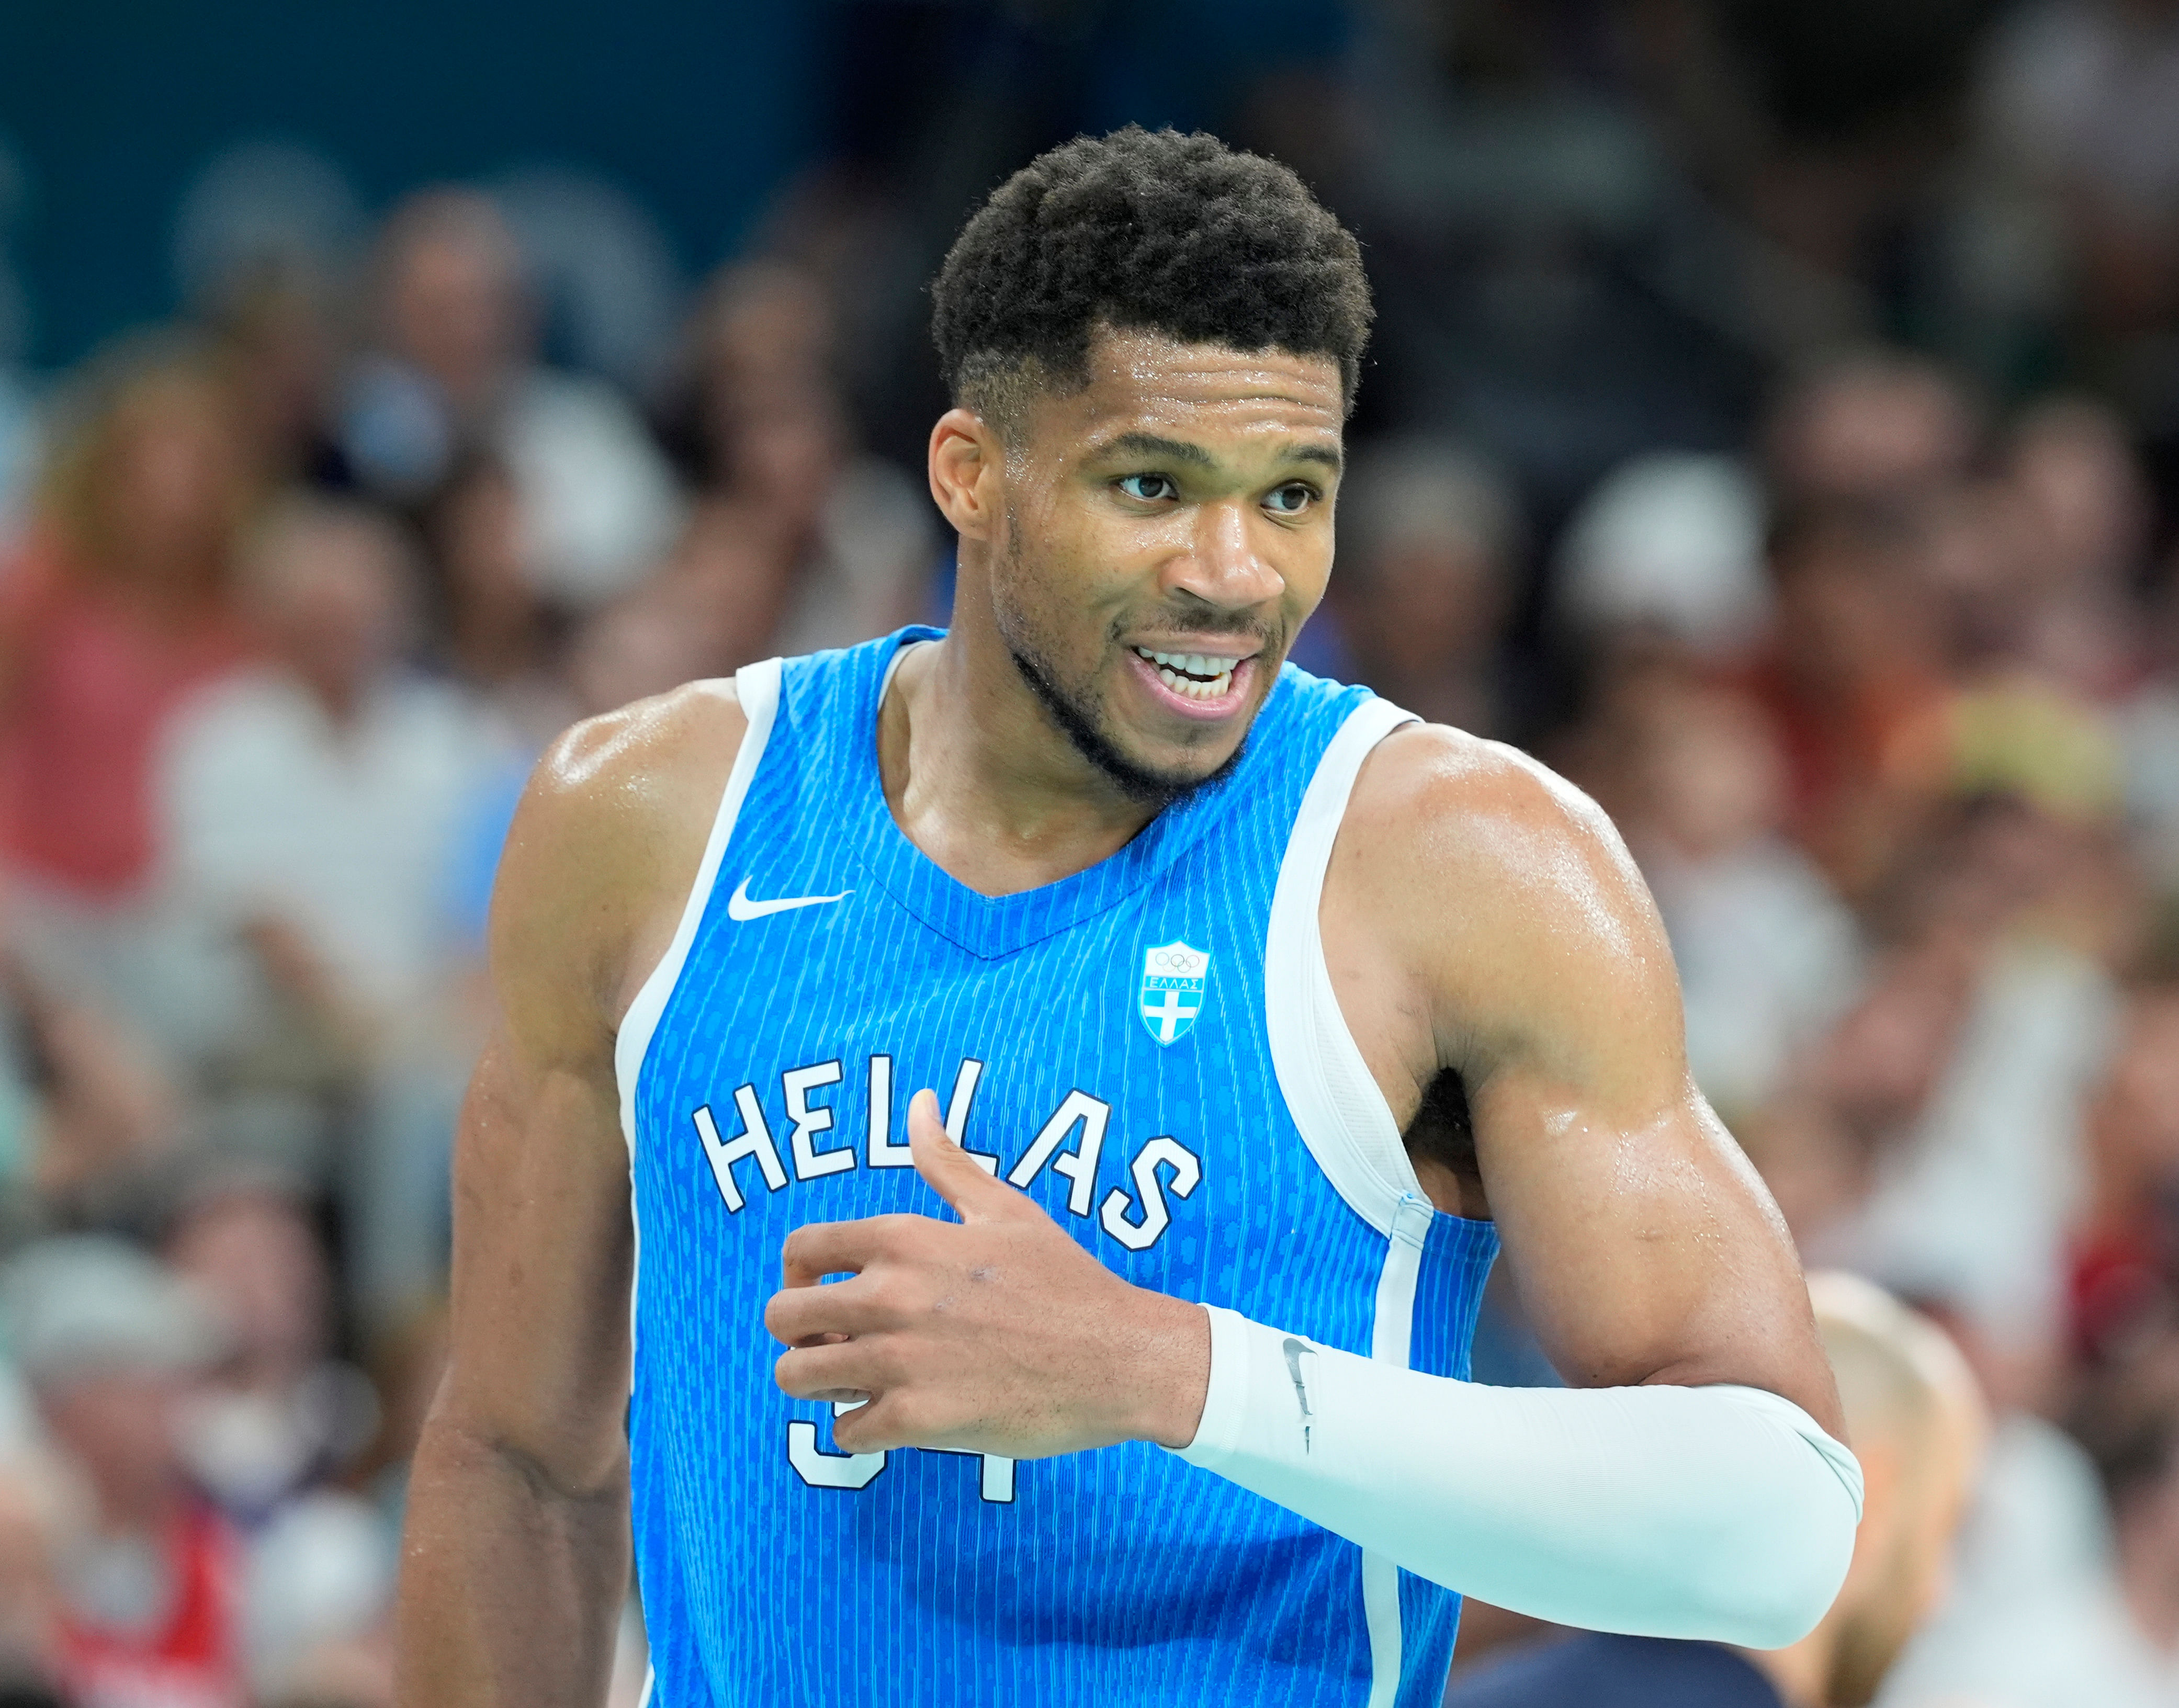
{"points": [[804, 1315], [953, 1174], [908, 1416], [885, 1422], [847, 1371], [819, 1248]]}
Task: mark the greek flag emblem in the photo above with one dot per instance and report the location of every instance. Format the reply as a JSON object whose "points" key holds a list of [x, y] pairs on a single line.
{"points": [[1174, 977]]}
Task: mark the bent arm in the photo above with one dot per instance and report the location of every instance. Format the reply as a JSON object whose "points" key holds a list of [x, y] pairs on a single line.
{"points": [[1691, 1482]]}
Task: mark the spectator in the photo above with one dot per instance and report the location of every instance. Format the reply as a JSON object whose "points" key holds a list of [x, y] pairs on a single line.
{"points": [[152, 1600], [455, 372], [764, 329], [2106, 1631], [1974, 556], [278, 342], [1668, 547], [800, 541], [314, 806], [489, 626], [2088, 515], [1853, 680], [119, 606], [1916, 1423], [279, 1417], [2126, 1247], [1431, 543], [1965, 1070], [2078, 100], [89, 1102], [1696, 786], [1874, 424]]}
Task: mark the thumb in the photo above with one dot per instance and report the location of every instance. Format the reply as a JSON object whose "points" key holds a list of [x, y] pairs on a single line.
{"points": [[951, 1173]]}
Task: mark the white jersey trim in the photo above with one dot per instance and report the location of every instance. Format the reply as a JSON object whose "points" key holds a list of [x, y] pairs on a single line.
{"points": [[757, 687], [1338, 1110], [1328, 1088]]}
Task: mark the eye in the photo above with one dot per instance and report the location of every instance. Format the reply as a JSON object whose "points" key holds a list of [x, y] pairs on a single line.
{"points": [[1147, 489], [1291, 499]]}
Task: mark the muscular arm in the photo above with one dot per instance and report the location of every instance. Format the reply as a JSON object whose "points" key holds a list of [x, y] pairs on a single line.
{"points": [[515, 1555], [1481, 917], [1524, 953]]}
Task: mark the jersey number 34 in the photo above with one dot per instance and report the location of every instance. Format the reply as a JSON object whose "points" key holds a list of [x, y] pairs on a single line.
{"points": [[827, 1470]]}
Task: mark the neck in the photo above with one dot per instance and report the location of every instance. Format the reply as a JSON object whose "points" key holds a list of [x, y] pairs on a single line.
{"points": [[980, 777], [1797, 1674]]}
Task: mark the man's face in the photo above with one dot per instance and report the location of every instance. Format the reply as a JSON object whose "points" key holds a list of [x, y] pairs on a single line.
{"points": [[1164, 532]]}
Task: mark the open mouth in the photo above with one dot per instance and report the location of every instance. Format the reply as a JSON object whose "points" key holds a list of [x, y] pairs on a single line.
{"points": [[1192, 675]]}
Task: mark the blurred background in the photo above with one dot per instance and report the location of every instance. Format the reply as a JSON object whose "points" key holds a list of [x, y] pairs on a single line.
{"points": [[1773, 422]]}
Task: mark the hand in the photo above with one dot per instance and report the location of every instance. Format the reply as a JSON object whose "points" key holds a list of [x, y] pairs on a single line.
{"points": [[996, 1334]]}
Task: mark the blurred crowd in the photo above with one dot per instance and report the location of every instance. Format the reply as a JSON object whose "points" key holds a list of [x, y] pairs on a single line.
{"points": [[1774, 424]]}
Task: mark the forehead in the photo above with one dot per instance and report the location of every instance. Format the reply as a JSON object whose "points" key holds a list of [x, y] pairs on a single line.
{"points": [[1143, 381]]}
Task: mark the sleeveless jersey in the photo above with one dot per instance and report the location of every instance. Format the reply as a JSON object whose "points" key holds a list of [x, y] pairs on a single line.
{"points": [[1151, 1049]]}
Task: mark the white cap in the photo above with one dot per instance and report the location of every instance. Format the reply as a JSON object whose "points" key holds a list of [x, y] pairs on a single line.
{"points": [[1673, 539], [87, 1302]]}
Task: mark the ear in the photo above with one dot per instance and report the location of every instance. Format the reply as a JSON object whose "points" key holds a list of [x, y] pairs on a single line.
{"points": [[966, 464]]}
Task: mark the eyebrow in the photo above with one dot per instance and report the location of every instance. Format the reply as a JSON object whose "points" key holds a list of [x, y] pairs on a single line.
{"points": [[1152, 445], [1181, 451]]}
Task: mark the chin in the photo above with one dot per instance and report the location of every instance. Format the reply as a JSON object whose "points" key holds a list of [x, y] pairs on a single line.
{"points": [[1166, 777]]}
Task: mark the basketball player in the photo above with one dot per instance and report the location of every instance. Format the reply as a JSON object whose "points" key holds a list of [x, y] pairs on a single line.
{"points": [[1153, 1045]]}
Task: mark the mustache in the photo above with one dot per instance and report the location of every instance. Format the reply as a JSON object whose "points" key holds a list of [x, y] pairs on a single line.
{"points": [[1201, 621]]}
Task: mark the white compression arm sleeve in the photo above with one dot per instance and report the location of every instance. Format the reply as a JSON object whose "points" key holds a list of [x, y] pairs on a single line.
{"points": [[1720, 1513]]}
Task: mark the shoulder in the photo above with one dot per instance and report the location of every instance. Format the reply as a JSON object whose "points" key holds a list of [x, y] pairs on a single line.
{"points": [[641, 753], [1436, 804], [605, 847], [1495, 898]]}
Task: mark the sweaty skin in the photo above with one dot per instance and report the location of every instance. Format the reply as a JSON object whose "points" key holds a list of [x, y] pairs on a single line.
{"points": [[1479, 914]]}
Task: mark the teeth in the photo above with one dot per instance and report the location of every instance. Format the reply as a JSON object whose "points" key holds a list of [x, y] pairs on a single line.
{"points": [[1192, 675]]}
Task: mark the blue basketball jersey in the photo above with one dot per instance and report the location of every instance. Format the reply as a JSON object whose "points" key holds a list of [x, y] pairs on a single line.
{"points": [[1151, 1049]]}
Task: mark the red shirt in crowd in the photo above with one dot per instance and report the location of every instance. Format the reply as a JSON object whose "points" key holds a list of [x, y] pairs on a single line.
{"points": [[86, 687], [193, 1658]]}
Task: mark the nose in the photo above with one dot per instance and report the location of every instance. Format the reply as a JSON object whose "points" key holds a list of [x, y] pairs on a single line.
{"points": [[1225, 566]]}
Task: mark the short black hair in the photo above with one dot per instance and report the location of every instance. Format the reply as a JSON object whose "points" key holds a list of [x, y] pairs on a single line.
{"points": [[1142, 230]]}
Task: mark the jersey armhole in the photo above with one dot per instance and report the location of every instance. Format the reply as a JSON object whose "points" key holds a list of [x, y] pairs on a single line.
{"points": [[1335, 1102], [757, 688]]}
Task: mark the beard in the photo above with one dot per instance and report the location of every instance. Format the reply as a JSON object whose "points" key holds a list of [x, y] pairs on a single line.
{"points": [[1076, 713], [1078, 722]]}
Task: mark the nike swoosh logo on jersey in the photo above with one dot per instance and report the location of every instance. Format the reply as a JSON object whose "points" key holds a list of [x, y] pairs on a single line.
{"points": [[740, 907]]}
